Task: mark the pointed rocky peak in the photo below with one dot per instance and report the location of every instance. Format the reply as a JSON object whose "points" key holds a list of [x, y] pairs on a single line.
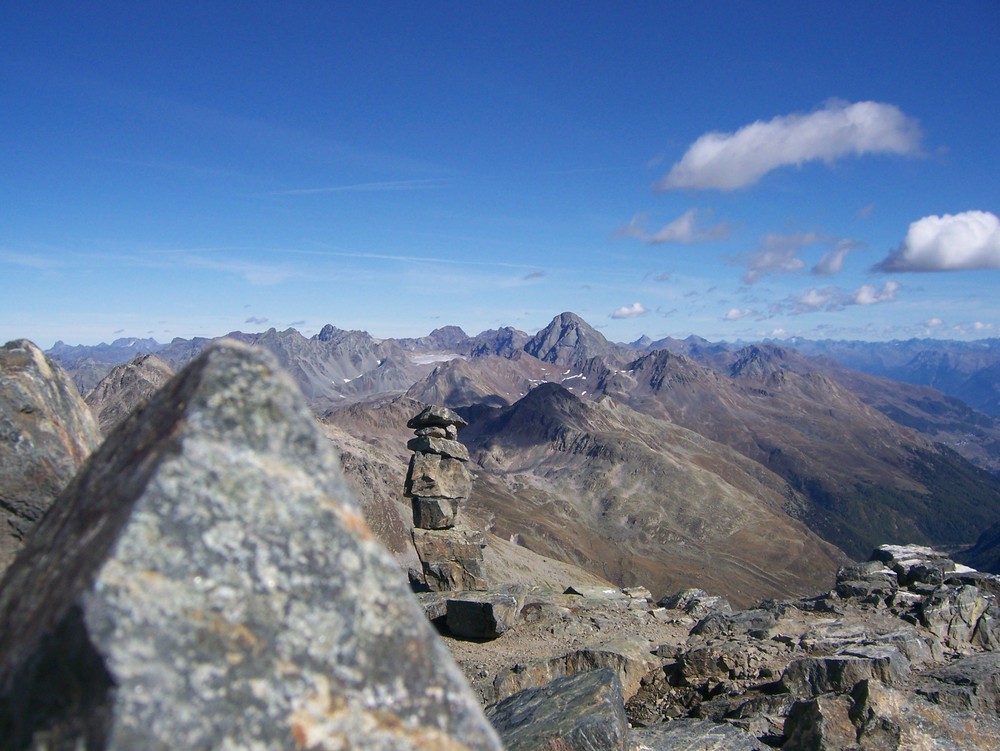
{"points": [[126, 388], [759, 361], [642, 342], [329, 333], [568, 340]]}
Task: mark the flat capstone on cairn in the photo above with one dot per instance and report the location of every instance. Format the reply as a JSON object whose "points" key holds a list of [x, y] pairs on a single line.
{"points": [[437, 482]]}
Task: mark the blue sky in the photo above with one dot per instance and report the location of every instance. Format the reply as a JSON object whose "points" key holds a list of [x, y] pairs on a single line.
{"points": [[735, 171]]}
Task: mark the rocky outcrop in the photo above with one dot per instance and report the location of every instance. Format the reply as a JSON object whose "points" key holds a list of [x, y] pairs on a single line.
{"points": [[579, 712], [126, 388], [900, 654], [207, 581], [46, 433], [437, 483]]}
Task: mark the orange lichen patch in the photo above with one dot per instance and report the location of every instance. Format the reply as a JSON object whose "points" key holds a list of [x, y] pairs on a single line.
{"points": [[231, 632], [354, 522], [326, 721]]}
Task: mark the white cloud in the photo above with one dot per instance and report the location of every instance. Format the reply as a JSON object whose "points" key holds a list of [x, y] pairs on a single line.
{"points": [[980, 326], [777, 254], [728, 161], [932, 323], [832, 261], [736, 314], [815, 298], [683, 230], [869, 295], [952, 242], [630, 311]]}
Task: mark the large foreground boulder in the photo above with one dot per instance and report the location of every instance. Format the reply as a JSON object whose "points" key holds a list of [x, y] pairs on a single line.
{"points": [[208, 582], [46, 433]]}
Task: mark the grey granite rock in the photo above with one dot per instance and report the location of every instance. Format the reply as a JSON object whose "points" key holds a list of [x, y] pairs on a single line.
{"points": [[691, 734], [46, 433], [581, 712], [208, 582]]}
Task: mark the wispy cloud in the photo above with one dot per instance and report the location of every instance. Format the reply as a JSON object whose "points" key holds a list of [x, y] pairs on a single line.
{"points": [[735, 314], [630, 311], [830, 299], [372, 187], [777, 253], [952, 242], [25, 260], [729, 161], [257, 274], [832, 261], [658, 276], [256, 321], [533, 275], [683, 230]]}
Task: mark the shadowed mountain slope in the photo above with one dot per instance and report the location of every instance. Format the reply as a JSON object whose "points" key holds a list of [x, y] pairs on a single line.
{"points": [[868, 478]]}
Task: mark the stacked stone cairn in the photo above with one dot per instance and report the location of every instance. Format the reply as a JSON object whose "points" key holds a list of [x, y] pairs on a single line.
{"points": [[451, 555]]}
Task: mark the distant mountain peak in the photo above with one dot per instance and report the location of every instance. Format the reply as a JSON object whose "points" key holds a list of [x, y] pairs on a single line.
{"points": [[758, 361], [642, 342], [568, 340]]}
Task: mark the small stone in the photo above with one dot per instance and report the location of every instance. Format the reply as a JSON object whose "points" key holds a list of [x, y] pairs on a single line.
{"points": [[434, 513], [436, 476], [483, 617], [451, 558], [436, 416], [434, 432], [429, 445]]}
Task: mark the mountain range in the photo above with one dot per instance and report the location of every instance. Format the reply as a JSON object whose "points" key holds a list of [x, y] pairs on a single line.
{"points": [[678, 461]]}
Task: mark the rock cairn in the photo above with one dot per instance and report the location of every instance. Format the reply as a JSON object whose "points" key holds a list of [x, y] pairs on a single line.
{"points": [[451, 555]]}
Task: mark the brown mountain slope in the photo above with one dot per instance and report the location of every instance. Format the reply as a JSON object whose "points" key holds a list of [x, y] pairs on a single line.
{"points": [[639, 500]]}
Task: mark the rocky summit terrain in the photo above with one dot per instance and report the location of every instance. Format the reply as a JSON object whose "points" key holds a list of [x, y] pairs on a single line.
{"points": [[654, 463], [46, 433], [207, 579]]}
